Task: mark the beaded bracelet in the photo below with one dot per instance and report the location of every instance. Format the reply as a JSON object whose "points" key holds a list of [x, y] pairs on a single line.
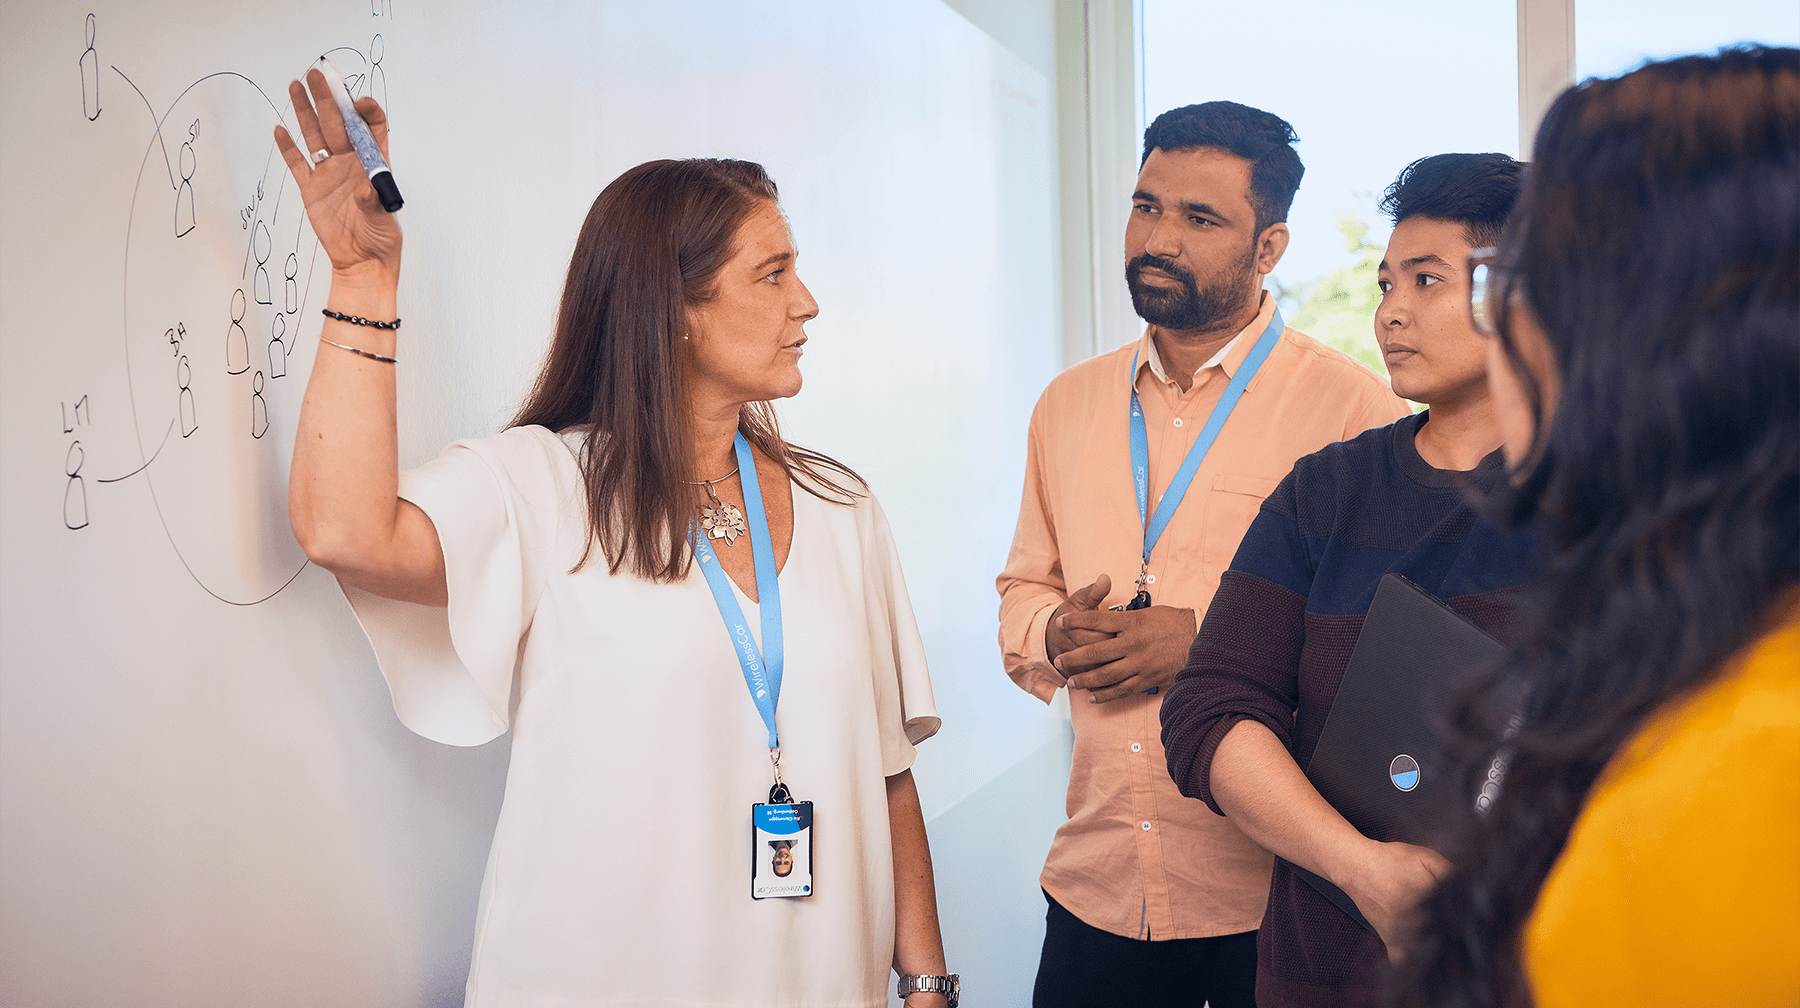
{"points": [[360, 353], [359, 320]]}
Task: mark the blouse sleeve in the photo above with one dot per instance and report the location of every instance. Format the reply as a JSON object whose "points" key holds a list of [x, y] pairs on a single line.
{"points": [[498, 505], [903, 701]]}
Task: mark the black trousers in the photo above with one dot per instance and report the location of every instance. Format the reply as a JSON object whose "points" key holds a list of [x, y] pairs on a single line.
{"points": [[1085, 966]]}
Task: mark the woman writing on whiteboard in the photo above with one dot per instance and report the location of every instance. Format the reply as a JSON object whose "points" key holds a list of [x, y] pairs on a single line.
{"points": [[678, 615]]}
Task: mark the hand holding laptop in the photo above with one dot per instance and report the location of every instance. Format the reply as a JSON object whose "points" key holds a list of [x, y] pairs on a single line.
{"points": [[1388, 882]]}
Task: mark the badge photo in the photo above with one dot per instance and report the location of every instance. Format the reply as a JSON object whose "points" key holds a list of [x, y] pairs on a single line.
{"points": [[781, 850]]}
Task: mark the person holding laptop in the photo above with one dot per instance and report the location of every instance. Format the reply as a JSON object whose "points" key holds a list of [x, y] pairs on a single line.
{"points": [[1244, 715], [1641, 846]]}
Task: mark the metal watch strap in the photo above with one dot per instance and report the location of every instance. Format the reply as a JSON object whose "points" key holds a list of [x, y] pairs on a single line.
{"points": [[949, 986]]}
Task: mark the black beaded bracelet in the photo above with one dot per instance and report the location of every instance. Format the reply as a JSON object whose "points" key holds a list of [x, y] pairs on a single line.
{"points": [[359, 320]]}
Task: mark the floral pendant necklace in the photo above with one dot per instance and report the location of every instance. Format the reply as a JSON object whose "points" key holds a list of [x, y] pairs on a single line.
{"points": [[722, 520]]}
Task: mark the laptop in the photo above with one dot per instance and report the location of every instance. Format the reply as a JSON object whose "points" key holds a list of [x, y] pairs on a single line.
{"points": [[1378, 761]]}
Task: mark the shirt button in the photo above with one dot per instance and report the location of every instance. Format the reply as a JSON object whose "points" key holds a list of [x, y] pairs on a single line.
{"points": [[1146, 825], [1178, 421], [1150, 579], [1136, 748]]}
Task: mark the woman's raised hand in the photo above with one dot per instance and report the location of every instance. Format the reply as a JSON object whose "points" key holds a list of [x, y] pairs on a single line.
{"points": [[354, 230]]}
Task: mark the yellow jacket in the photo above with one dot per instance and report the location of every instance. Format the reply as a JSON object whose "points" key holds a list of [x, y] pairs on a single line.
{"points": [[1680, 883]]}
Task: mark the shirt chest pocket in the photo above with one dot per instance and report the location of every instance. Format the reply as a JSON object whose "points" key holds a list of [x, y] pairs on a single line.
{"points": [[1231, 507]]}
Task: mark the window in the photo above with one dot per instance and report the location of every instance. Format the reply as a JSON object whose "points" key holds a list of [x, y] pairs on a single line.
{"points": [[1369, 88], [1613, 36]]}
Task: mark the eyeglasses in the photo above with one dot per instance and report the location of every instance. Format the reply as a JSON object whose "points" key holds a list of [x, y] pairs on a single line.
{"points": [[1487, 284]]}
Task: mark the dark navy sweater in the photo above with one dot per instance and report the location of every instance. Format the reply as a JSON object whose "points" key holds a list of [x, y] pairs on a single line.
{"points": [[1278, 636]]}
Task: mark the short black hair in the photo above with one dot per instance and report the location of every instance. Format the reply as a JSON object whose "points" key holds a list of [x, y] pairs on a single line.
{"points": [[1475, 190], [1258, 137]]}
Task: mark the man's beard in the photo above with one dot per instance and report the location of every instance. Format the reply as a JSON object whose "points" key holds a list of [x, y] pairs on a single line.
{"points": [[1191, 307]]}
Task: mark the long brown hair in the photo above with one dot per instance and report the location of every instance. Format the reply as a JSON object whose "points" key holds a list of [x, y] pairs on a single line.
{"points": [[652, 245]]}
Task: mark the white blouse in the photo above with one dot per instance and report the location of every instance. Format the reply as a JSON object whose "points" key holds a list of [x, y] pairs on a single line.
{"points": [[620, 868]]}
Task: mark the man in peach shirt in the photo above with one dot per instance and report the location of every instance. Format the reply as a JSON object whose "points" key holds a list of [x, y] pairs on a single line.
{"points": [[1153, 898]]}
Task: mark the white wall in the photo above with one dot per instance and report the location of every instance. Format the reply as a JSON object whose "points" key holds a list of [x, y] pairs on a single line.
{"points": [[205, 799]]}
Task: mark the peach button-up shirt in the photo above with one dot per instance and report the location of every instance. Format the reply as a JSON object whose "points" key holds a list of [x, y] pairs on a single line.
{"points": [[1135, 857]]}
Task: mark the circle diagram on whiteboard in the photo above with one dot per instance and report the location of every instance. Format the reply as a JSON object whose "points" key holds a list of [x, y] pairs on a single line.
{"points": [[222, 286]]}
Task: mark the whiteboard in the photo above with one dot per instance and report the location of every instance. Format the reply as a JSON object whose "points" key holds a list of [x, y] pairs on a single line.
{"points": [[205, 798]]}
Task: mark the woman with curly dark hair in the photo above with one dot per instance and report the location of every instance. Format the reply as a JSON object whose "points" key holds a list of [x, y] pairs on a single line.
{"points": [[1638, 836]]}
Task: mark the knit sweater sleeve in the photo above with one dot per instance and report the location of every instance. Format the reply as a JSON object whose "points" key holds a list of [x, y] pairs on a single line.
{"points": [[1245, 661]]}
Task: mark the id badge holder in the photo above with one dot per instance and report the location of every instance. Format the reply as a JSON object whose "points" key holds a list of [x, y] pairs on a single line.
{"points": [[1139, 601], [1142, 599], [781, 847]]}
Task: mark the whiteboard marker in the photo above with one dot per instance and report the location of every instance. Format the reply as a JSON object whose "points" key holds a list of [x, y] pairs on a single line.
{"points": [[361, 139]]}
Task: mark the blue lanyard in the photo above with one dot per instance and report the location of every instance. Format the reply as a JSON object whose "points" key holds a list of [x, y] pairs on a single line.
{"points": [[762, 671], [1140, 440]]}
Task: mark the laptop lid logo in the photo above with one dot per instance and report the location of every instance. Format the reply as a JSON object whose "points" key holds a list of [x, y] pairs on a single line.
{"points": [[1404, 772]]}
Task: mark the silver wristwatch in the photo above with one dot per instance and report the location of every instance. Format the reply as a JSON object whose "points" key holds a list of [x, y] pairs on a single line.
{"points": [[949, 986]]}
